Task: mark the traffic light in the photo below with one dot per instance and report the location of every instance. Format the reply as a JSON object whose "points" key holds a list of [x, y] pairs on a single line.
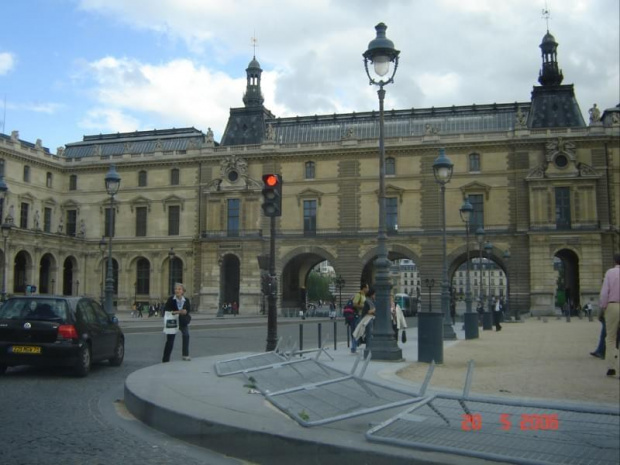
{"points": [[272, 195]]}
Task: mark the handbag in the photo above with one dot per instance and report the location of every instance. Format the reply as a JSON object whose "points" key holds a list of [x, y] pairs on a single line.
{"points": [[403, 336]]}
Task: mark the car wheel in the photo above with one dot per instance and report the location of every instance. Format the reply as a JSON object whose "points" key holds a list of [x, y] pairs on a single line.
{"points": [[119, 353], [82, 366], [2, 369]]}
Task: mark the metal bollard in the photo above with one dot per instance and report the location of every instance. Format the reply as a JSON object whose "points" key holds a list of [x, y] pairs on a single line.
{"points": [[335, 333], [301, 337], [320, 334]]}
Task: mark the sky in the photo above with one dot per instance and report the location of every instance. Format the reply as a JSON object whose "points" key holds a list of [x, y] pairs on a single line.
{"points": [[70, 68]]}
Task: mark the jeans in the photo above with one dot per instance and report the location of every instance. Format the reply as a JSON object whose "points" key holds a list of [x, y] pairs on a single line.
{"points": [[600, 349], [170, 344], [352, 327]]}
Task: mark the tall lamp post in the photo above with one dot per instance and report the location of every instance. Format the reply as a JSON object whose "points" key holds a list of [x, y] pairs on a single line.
{"points": [[112, 184], [102, 245], [506, 257], [442, 169], [381, 53], [339, 282], [171, 256], [471, 318], [6, 232], [487, 318], [488, 248]]}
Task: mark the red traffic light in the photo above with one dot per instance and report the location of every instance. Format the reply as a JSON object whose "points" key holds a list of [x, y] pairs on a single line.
{"points": [[270, 180]]}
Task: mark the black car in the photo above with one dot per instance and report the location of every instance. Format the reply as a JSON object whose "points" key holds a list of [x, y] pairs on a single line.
{"points": [[58, 331]]}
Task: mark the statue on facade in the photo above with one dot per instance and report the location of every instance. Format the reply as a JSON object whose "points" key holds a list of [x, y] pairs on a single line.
{"points": [[210, 137], [270, 133], [520, 119], [14, 136], [61, 226], [37, 220], [595, 114], [82, 228], [60, 151]]}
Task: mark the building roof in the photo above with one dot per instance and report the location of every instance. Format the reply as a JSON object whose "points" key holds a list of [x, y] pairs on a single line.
{"points": [[163, 140]]}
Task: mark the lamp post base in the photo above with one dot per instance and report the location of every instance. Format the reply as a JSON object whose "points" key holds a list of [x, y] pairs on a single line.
{"points": [[487, 321], [471, 325], [385, 348]]}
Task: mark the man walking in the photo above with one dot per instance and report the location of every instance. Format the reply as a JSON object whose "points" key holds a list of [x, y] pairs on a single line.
{"points": [[609, 303]]}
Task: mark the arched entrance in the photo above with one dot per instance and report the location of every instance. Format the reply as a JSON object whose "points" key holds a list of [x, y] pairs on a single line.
{"points": [[293, 283], [230, 270], [69, 275], [567, 294], [45, 274], [21, 269]]}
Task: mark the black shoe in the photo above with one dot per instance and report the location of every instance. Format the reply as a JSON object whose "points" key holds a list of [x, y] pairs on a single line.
{"points": [[611, 372], [596, 354]]}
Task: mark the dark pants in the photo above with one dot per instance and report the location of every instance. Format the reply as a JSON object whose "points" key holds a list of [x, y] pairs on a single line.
{"points": [[496, 320], [170, 344], [600, 349]]}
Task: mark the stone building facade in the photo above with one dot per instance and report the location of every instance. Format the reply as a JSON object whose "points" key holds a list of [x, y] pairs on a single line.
{"points": [[544, 184]]}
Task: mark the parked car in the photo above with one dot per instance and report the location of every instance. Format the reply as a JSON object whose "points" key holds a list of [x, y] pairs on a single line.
{"points": [[58, 331]]}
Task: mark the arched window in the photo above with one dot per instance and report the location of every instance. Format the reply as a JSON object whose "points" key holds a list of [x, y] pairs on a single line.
{"points": [[142, 178], [143, 276], [310, 170], [390, 166], [174, 177], [176, 273]]}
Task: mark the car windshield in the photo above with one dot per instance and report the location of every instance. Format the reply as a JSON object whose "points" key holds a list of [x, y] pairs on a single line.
{"points": [[35, 309]]}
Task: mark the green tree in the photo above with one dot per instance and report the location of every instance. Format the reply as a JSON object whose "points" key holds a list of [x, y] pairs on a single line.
{"points": [[318, 287]]}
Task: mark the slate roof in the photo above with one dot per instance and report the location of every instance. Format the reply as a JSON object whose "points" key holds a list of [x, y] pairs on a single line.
{"points": [[164, 140]]}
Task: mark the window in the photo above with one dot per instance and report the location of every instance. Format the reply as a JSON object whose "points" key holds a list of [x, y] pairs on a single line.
{"points": [[174, 217], [109, 222], [23, 219], [48, 180], [477, 218], [562, 208], [71, 222], [142, 178], [390, 166], [143, 279], [26, 173], [310, 170], [310, 217], [141, 221], [47, 220], [174, 177], [474, 162], [233, 217], [391, 209], [73, 182]]}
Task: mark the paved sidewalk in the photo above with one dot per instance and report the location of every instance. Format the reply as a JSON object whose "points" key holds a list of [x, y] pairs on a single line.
{"points": [[548, 361]]}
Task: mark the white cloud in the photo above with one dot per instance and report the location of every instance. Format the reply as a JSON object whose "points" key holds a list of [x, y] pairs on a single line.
{"points": [[132, 95], [37, 107], [7, 62], [452, 53]]}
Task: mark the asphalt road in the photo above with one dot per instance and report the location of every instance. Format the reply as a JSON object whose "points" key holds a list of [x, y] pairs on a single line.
{"points": [[49, 417]]}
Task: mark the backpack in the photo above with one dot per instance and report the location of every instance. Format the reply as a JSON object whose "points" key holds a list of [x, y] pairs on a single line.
{"points": [[348, 312]]}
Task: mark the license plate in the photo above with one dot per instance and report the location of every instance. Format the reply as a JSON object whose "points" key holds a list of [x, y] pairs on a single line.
{"points": [[26, 350]]}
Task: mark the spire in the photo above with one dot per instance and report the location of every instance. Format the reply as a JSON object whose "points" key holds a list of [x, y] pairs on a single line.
{"points": [[550, 73], [253, 96]]}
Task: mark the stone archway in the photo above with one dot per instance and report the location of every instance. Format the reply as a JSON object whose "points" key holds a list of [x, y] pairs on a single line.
{"points": [[567, 294]]}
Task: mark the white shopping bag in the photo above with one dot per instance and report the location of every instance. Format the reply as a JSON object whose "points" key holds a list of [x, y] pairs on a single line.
{"points": [[171, 323]]}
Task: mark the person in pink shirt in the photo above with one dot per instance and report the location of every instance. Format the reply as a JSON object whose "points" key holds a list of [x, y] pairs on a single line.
{"points": [[609, 303]]}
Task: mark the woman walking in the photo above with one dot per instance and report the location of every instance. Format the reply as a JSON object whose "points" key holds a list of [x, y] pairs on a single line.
{"points": [[179, 305]]}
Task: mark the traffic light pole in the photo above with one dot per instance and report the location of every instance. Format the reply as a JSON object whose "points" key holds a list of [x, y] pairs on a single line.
{"points": [[272, 311]]}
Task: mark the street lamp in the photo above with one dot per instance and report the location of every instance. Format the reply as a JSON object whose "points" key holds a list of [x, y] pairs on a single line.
{"points": [[53, 286], [112, 184], [6, 232], [380, 54], [506, 257], [442, 169], [77, 287], [339, 282], [102, 245], [487, 320], [171, 256], [488, 248], [471, 318]]}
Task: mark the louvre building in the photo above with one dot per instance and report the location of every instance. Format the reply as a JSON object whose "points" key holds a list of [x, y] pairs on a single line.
{"points": [[544, 184]]}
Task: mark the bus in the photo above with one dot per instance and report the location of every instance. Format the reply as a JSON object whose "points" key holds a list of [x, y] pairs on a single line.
{"points": [[407, 303]]}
